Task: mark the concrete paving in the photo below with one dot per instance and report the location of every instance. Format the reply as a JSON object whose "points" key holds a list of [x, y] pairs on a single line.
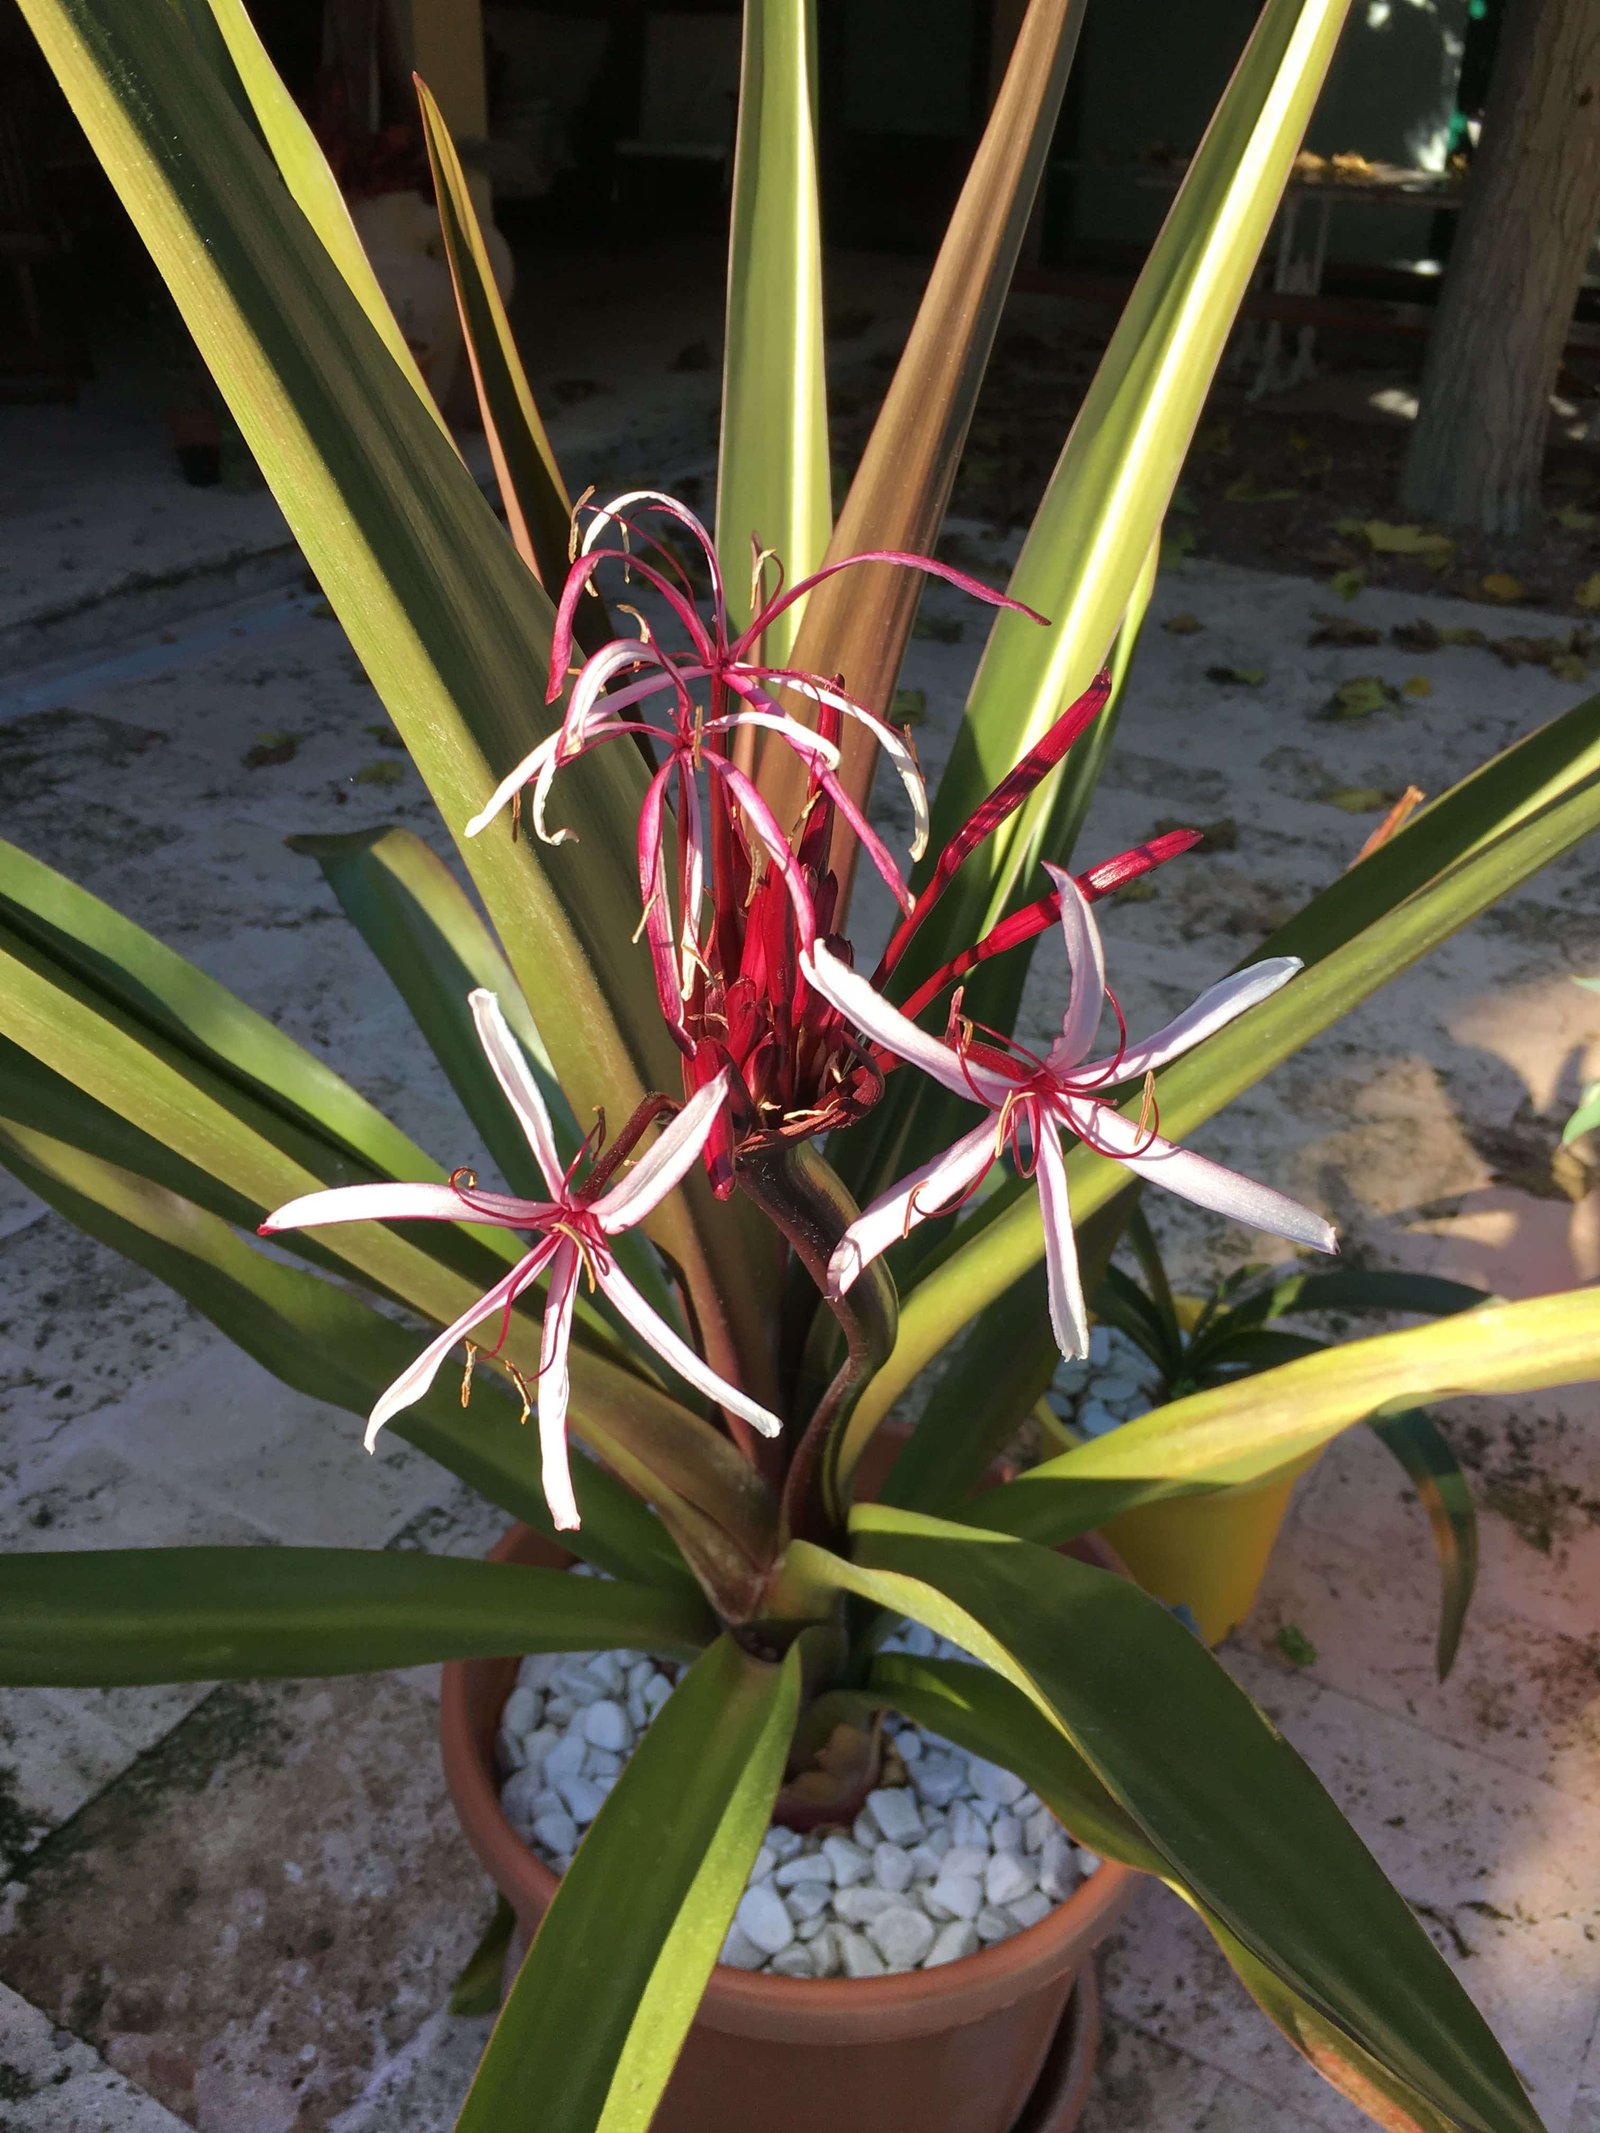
{"points": [[240, 1909]]}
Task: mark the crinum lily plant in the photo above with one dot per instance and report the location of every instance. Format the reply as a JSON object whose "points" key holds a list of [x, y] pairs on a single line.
{"points": [[734, 1192]]}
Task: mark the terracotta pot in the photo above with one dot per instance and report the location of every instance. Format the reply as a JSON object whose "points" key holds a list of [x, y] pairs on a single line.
{"points": [[960, 2049]]}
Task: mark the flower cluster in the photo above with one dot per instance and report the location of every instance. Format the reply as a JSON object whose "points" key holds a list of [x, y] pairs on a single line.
{"points": [[781, 1037]]}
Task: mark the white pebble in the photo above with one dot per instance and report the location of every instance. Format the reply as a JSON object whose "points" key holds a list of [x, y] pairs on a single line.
{"points": [[804, 1866], [740, 1950], [1116, 1386], [895, 1811], [1088, 1862], [642, 1672], [605, 1725], [1036, 1830], [1008, 1878], [902, 1936], [523, 1711], [892, 1869], [1058, 1868], [924, 1862], [1100, 1345], [766, 1860], [938, 1779], [538, 1670], [1095, 1419], [955, 1895], [600, 1764], [509, 1752], [865, 1832], [536, 1746], [556, 1832], [991, 1782], [994, 1925], [655, 1692], [966, 1827], [783, 1843], [809, 1900], [577, 1685], [519, 1797], [807, 1929], [857, 1956], [638, 1710], [606, 1670], [1005, 1833], [849, 1861], [584, 1798], [919, 1640], [858, 1906], [824, 1945], [793, 1961], [1028, 1910], [951, 1943], [908, 1746], [761, 1914], [970, 1859], [566, 1759], [987, 1812]]}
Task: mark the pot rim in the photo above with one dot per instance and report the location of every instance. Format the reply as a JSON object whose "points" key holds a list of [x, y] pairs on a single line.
{"points": [[756, 2003]]}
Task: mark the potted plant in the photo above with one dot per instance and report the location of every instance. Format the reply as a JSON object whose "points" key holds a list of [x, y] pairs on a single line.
{"points": [[1209, 1553], [799, 1195]]}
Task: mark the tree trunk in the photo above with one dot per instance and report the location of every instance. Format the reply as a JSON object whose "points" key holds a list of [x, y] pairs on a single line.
{"points": [[1527, 224]]}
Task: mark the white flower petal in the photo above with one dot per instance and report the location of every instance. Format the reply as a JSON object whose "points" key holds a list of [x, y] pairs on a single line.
{"points": [[555, 1389], [1086, 960], [664, 1165], [1068, 1316], [539, 762], [652, 1328], [1196, 1177], [415, 1379], [517, 1084], [1215, 1008], [928, 1190], [872, 1014], [406, 1203]]}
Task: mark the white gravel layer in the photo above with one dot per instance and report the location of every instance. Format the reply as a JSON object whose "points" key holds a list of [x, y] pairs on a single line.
{"points": [[959, 1855]]}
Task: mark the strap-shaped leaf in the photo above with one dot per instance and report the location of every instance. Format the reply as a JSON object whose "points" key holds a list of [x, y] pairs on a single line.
{"points": [[611, 1983], [1236, 1816], [1423, 1450], [537, 507], [449, 624], [998, 1244], [982, 1713], [315, 190], [326, 1343], [1243, 1431], [166, 993], [1101, 514], [773, 475], [109, 1617], [858, 624]]}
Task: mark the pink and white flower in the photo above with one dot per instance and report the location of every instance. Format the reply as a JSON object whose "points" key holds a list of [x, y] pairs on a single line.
{"points": [[626, 686], [573, 1229], [1032, 1102]]}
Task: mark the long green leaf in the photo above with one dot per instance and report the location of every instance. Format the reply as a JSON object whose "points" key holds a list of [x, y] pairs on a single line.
{"points": [[448, 622], [1005, 1238], [312, 185], [773, 476], [109, 1617], [858, 623], [537, 507], [1422, 1449], [202, 1019], [982, 1713], [1122, 1680], [1240, 1432], [326, 1343], [1101, 514], [611, 1983]]}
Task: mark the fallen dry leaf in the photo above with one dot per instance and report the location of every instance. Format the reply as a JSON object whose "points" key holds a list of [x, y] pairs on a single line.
{"points": [[1345, 584], [1183, 625], [1501, 585], [1587, 595], [1338, 629], [1359, 698], [1418, 685], [1249, 677]]}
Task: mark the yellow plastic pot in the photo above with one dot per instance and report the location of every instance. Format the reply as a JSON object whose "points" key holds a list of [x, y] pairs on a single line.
{"points": [[1208, 1553]]}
